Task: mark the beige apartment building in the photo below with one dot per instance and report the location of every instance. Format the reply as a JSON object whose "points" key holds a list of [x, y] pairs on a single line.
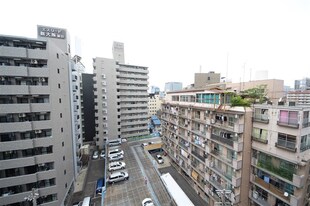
{"points": [[280, 156], [154, 104], [210, 142], [36, 124], [121, 97]]}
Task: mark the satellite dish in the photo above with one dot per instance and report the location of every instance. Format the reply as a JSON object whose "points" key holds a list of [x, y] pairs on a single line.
{"points": [[285, 194]]}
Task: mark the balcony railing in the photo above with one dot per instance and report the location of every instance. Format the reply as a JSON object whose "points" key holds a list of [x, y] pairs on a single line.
{"points": [[288, 123], [291, 146], [285, 173], [196, 154], [223, 140], [271, 188], [258, 139], [263, 118]]}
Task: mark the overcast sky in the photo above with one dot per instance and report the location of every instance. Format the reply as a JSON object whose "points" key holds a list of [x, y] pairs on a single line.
{"points": [[177, 38]]}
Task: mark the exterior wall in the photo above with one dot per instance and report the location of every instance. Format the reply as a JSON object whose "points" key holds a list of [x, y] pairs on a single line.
{"points": [[88, 106], [48, 122], [210, 143], [202, 79]]}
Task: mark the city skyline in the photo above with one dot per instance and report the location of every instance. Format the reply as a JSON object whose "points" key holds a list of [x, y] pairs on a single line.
{"points": [[176, 40]]}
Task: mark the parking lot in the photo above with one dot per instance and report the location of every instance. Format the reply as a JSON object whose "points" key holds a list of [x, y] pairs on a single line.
{"points": [[144, 179]]}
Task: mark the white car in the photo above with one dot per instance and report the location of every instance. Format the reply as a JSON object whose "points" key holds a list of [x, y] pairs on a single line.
{"points": [[146, 144], [115, 152], [118, 176], [159, 159], [147, 202], [102, 154], [116, 158], [116, 166], [95, 154]]}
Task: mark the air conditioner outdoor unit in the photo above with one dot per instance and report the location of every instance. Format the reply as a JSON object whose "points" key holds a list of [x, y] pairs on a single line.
{"points": [[255, 194], [38, 131], [22, 115], [212, 121]]}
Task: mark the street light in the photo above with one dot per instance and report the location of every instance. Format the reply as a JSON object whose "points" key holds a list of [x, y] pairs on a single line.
{"points": [[32, 197]]}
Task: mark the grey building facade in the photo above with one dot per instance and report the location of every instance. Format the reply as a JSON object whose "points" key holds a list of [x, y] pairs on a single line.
{"points": [[36, 137], [173, 86], [121, 97]]}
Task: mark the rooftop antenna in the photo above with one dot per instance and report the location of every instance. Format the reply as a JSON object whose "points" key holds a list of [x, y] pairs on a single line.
{"points": [[227, 65]]}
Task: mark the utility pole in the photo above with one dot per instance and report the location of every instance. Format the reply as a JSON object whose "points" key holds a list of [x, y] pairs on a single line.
{"points": [[32, 197]]}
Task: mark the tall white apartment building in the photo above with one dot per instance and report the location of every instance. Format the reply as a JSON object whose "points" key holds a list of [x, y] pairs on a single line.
{"points": [[121, 97], [209, 142], [36, 135], [280, 156]]}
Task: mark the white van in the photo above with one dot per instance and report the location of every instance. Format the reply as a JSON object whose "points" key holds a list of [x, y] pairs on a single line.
{"points": [[115, 142], [86, 201]]}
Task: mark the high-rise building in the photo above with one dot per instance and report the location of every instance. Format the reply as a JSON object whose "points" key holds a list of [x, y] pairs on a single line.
{"points": [[173, 86], [303, 84], [121, 97], [88, 106], [36, 124], [280, 155], [202, 79], [209, 142]]}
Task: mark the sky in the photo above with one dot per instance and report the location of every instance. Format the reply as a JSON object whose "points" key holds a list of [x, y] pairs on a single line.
{"points": [[175, 38]]}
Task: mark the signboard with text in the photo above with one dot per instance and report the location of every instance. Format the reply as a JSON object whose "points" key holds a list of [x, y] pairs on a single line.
{"points": [[51, 32]]}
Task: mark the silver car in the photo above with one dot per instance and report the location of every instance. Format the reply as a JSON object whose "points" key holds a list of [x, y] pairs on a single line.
{"points": [[116, 158]]}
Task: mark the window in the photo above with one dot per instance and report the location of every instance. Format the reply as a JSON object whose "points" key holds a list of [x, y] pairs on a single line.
{"points": [[63, 144], [304, 143], [59, 100], [58, 71], [63, 158], [288, 117], [286, 141], [259, 135], [57, 55], [60, 115], [58, 86], [65, 172], [62, 129]]}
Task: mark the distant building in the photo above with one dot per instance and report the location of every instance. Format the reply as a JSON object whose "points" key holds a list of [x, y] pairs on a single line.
{"points": [[299, 97], [121, 97], [173, 86], [88, 107], [303, 84], [202, 79], [261, 75], [154, 104], [154, 90]]}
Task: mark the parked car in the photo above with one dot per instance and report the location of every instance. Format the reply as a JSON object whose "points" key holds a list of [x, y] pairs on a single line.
{"points": [[146, 144], [115, 152], [118, 176], [147, 202], [116, 166], [102, 154], [95, 154], [116, 158], [159, 159]]}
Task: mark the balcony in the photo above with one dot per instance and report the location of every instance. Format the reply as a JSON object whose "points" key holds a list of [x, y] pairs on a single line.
{"points": [[272, 189], [259, 139], [270, 168], [263, 118], [257, 198], [200, 157], [287, 145], [292, 123], [223, 140]]}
